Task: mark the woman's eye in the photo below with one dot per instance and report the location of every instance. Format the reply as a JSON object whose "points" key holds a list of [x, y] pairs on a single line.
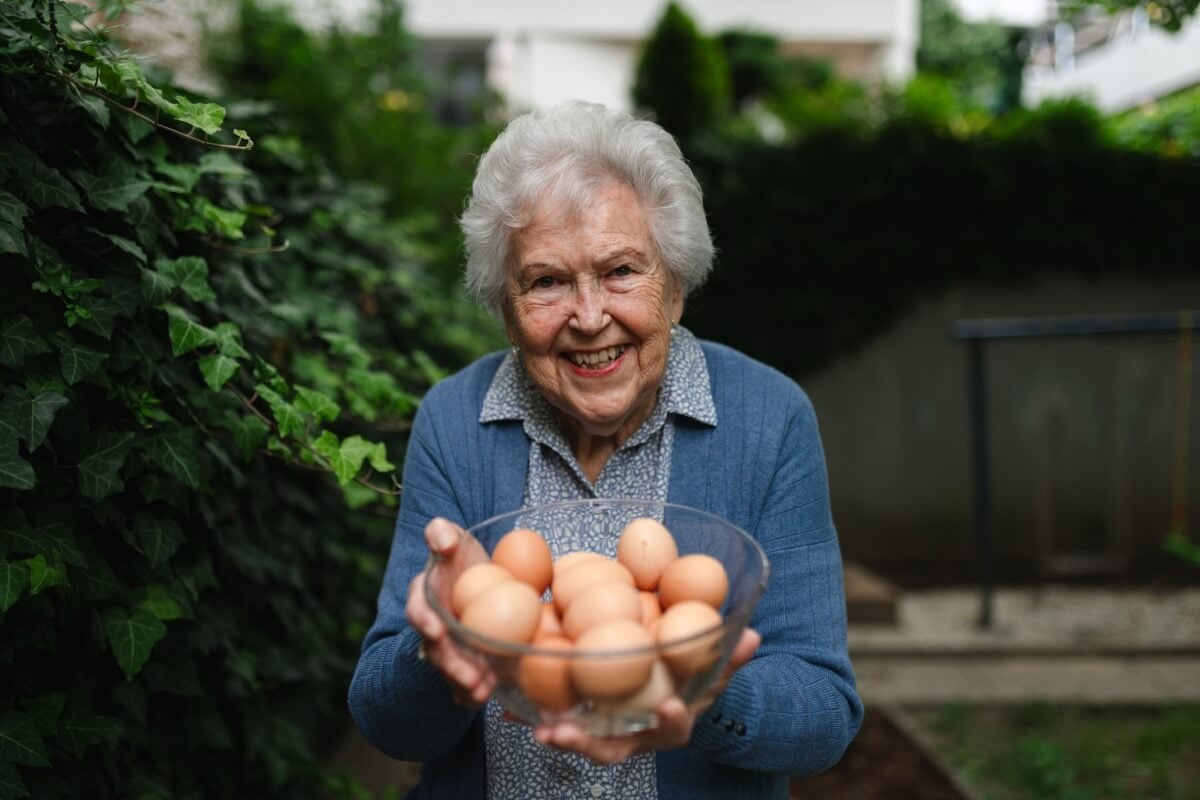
{"points": [[543, 282], [623, 271]]}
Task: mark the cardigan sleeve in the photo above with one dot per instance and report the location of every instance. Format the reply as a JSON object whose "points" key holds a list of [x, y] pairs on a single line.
{"points": [[401, 703], [793, 708]]}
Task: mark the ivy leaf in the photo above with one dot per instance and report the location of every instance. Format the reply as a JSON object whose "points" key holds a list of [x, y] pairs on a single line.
{"points": [[312, 402], [158, 539], [346, 457], [99, 469], [186, 334], [15, 472], [229, 340], [18, 339], [101, 314], [45, 574], [20, 742], [378, 458], [81, 729], [205, 116], [189, 273], [117, 188], [14, 577], [16, 535], [224, 222], [161, 604], [217, 369], [132, 636], [43, 185], [156, 287], [77, 362], [55, 528], [184, 176], [175, 451], [11, 239], [27, 416], [11, 785], [12, 210], [249, 433], [46, 709], [289, 420]]}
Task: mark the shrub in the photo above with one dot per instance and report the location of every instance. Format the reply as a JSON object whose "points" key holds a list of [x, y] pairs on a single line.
{"points": [[207, 355], [681, 76]]}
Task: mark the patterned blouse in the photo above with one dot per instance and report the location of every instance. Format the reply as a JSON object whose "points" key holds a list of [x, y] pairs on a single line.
{"points": [[518, 768]]}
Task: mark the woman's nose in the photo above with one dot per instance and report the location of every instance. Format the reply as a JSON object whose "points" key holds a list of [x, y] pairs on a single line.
{"points": [[589, 316]]}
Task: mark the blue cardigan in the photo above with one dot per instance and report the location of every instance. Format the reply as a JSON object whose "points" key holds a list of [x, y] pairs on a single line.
{"points": [[761, 467]]}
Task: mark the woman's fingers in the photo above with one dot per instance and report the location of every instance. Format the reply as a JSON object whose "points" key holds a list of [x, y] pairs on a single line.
{"points": [[419, 614], [442, 536], [743, 651]]}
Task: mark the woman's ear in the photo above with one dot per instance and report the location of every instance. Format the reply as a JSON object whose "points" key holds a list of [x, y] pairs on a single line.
{"points": [[676, 300]]}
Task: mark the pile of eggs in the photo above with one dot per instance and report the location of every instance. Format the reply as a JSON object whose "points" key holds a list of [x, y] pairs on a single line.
{"points": [[649, 595]]}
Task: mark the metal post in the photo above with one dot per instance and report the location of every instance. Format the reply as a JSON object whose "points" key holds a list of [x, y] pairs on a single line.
{"points": [[977, 398]]}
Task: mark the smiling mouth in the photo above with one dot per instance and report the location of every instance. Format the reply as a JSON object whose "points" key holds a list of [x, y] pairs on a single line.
{"points": [[597, 360]]}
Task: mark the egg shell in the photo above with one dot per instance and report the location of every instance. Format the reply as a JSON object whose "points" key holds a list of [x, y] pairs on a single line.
{"points": [[574, 558], [696, 576], [601, 602], [525, 554], [646, 548], [546, 679], [571, 583], [474, 581], [659, 687], [616, 676], [548, 623], [683, 621], [507, 611], [651, 610]]}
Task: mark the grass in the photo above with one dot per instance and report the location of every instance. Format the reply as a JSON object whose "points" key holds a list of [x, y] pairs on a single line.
{"points": [[1069, 752]]}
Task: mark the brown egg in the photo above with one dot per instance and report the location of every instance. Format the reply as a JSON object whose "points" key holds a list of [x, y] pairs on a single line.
{"points": [[651, 610], [659, 687], [693, 577], [601, 602], [571, 583], [575, 557], [646, 548], [526, 555], [546, 679], [475, 580], [548, 623], [507, 611], [682, 621], [618, 676]]}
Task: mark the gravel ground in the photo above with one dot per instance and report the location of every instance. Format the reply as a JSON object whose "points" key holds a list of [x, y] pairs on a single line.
{"points": [[1048, 617]]}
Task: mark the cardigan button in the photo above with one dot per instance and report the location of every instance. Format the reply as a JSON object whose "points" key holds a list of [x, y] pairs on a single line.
{"points": [[740, 730], [729, 725], [716, 717]]}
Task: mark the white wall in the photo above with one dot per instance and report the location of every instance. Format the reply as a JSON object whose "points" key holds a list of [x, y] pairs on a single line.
{"points": [[1125, 72], [541, 52]]}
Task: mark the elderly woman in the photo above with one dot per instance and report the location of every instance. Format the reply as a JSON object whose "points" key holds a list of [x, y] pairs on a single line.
{"points": [[585, 231]]}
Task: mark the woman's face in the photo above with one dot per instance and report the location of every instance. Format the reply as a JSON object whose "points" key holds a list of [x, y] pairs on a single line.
{"points": [[591, 306]]}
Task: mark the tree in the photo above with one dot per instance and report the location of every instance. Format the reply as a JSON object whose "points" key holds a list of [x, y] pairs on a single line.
{"points": [[1170, 14], [682, 76], [983, 61]]}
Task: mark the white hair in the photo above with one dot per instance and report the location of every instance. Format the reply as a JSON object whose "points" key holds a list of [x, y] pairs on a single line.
{"points": [[565, 154]]}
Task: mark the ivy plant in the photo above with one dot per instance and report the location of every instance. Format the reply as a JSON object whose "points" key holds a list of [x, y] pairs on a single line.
{"points": [[210, 351]]}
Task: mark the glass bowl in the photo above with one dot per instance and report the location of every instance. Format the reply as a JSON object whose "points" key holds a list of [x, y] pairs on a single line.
{"points": [[595, 526]]}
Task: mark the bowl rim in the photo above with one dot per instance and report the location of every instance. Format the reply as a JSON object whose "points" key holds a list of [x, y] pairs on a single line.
{"points": [[499, 647]]}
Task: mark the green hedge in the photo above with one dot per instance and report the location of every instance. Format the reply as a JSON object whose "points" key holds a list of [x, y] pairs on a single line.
{"points": [[825, 240], [209, 358]]}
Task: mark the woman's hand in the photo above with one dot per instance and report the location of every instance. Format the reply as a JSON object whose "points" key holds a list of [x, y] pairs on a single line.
{"points": [[675, 720], [471, 681]]}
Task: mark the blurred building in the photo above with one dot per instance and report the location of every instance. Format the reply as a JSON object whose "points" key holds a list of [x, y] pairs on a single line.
{"points": [[1118, 62], [536, 53]]}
